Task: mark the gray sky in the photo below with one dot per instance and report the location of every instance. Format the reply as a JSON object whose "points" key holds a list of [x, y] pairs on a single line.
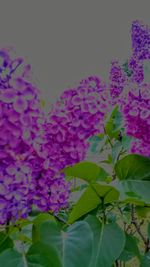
{"points": [[66, 41]]}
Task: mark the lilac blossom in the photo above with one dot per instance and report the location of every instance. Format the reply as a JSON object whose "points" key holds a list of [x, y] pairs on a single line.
{"points": [[78, 114], [28, 174]]}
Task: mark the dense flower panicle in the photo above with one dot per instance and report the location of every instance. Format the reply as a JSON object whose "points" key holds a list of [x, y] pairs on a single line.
{"points": [[137, 117], [137, 69], [136, 114], [24, 165], [140, 35], [9, 66], [117, 79], [78, 114], [129, 91]]}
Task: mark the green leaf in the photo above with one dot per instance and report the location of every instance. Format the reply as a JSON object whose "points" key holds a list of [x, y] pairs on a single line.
{"points": [[145, 261], [95, 143], [143, 212], [39, 255], [148, 230], [5, 242], [11, 258], [131, 249], [86, 203], [74, 244], [115, 151], [106, 192], [131, 190], [109, 241], [114, 123], [42, 255], [134, 167], [37, 222], [126, 69], [91, 198], [88, 171], [126, 142]]}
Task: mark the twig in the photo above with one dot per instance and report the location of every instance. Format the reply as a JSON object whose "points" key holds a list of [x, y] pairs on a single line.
{"points": [[124, 223], [138, 229]]}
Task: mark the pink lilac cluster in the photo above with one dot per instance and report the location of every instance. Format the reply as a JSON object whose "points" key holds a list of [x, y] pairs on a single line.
{"points": [[78, 114], [26, 177]]}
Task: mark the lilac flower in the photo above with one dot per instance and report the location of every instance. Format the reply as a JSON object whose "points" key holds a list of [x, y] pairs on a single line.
{"points": [[140, 34], [78, 114], [27, 167]]}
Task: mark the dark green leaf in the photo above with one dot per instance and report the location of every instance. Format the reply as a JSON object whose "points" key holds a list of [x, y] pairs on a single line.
{"points": [[42, 255], [145, 261], [114, 123], [37, 222], [134, 191], [133, 167], [39, 255], [95, 143], [87, 202], [109, 241], [5, 242], [116, 150], [126, 141], [87, 171], [131, 249], [148, 230], [91, 198], [74, 244], [106, 192]]}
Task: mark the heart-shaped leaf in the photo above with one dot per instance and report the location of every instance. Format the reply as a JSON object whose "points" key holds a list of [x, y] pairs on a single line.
{"points": [[73, 244], [109, 241], [39, 255]]}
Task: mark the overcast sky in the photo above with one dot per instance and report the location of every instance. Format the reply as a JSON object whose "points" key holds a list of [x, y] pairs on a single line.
{"points": [[66, 40]]}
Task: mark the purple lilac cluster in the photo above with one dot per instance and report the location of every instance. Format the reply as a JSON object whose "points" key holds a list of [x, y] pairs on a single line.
{"points": [[117, 80], [137, 109], [140, 35], [78, 114], [137, 119], [131, 93], [27, 177]]}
